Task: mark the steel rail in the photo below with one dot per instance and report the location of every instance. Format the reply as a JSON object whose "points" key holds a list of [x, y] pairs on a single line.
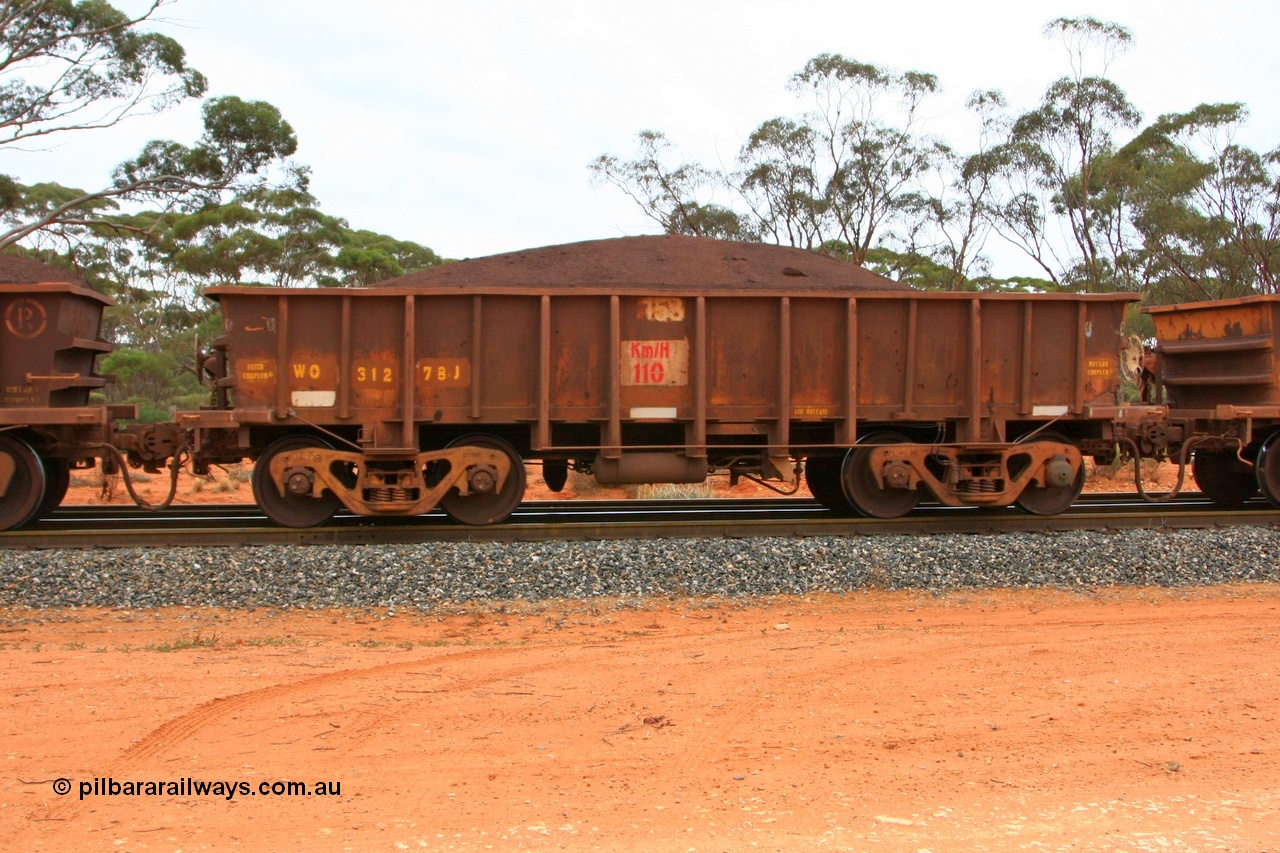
{"points": [[243, 525]]}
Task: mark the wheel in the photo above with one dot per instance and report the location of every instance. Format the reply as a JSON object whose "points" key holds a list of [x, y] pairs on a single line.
{"points": [[290, 510], [21, 500], [1268, 466], [57, 479], [1047, 499], [1223, 478], [861, 489], [487, 506], [822, 476], [555, 473]]}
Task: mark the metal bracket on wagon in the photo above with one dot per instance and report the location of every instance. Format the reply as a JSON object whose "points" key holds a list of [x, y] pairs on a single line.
{"points": [[976, 475], [378, 486]]}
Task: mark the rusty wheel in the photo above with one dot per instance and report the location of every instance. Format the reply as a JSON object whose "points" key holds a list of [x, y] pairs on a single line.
{"points": [[860, 486], [822, 476], [486, 504], [57, 479], [289, 509], [1223, 478], [1050, 499], [1268, 467], [21, 500]]}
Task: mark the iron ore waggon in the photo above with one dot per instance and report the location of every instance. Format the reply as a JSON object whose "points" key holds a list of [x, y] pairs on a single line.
{"points": [[657, 359], [49, 340], [1218, 365]]}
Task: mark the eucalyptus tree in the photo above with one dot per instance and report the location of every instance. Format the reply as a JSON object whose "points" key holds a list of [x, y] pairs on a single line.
{"points": [[1053, 158], [872, 159], [960, 214], [367, 257], [1207, 209], [68, 67], [158, 265], [847, 171], [779, 179], [671, 195]]}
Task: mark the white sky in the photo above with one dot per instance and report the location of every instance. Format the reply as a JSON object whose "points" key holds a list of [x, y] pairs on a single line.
{"points": [[467, 125]]}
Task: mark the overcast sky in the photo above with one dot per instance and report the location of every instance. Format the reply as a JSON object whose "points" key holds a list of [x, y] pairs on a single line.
{"points": [[468, 125]]}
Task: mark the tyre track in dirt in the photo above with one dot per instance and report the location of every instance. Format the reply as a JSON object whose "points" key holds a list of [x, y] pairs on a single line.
{"points": [[892, 719], [178, 729], [194, 722]]}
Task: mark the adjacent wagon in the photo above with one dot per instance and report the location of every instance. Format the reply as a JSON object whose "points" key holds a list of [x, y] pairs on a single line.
{"points": [[1219, 366], [49, 340]]}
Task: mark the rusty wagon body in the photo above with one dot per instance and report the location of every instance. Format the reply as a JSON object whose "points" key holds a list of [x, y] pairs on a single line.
{"points": [[49, 341], [639, 360], [393, 399], [1218, 365]]}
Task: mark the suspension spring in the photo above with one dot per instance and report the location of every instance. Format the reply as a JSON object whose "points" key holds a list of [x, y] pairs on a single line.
{"points": [[388, 494]]}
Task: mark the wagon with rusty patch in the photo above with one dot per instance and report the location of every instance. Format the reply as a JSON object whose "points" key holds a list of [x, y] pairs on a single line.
{"points": [[49, 340], [658, 359], [1218, 365]]}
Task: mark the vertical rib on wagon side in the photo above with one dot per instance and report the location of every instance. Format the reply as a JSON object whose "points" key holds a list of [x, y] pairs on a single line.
{"points": [[411, 396]]}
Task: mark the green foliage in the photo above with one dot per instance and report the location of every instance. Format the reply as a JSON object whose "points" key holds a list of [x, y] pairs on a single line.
{"points": [[240, 140], [927, 274], [670, 195], [365, 257], [1175, 210], [68, 65], [845, 171], [1205, 210], [72, 66], [225, 209], [150, 380]]}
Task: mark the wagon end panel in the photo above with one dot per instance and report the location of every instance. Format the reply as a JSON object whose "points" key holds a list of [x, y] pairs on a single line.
{"points": [[1220, 353], [50, 338]]}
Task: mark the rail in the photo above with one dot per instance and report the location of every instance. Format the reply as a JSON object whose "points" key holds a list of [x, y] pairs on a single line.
{"points": [[244, 526]]}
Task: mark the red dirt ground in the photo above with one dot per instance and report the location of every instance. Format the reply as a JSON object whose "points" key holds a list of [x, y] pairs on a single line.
{"points": [[1090, 720], [1094, 720]]}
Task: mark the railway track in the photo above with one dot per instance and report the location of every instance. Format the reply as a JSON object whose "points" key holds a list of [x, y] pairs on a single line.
{"points": [[243, 525]]}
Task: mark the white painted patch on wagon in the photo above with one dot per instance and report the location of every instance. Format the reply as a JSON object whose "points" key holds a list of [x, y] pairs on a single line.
{"points": [[314, 399], [641, 413]]}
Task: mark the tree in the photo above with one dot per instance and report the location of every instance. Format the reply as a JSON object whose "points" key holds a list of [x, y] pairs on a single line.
{"points": [[366, 257], [962, 213], [670, 195], [1206, 209], [71, 66], [844, 172], [157, 266], [779, 181], [875, 159], [1052, 158], [1181, 211], [78, 66]]}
